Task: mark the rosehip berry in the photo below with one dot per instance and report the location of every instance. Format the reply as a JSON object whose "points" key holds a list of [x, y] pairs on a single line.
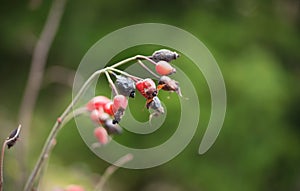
{"points": [[147, 88], [167, 84], [125, 86], [108, 108], [101, 135], [119, 101], [97, 102], [74, 188], [165, 55], [98, 116], [164, 68]]}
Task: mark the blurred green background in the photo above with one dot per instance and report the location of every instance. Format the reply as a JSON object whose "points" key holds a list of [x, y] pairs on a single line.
{"points": [[257, 46]]}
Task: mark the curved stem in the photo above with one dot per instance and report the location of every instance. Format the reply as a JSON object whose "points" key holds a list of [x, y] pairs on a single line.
{"points": [[111, 169], [111, 83], [59, 123], [57, 126], [148, 69], [124, 73], [141, 57]]}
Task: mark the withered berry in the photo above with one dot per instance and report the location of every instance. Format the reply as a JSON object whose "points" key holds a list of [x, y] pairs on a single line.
{"points": [[155, 104], [125, 86], [165, 55], [168, 84], [111, 127]]}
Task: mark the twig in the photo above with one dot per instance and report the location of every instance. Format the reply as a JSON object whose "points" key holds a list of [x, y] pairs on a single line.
{"points": [[1, 165], [61, 121], [148, 69], [10, 141], [124, 73], [39, 58], [111, 169], [111, 83], [47, 147], [146, 58]]}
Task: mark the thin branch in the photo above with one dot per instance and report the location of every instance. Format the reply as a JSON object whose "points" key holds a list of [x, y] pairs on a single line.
{"points": [[61, 121], [55, 129], [1, 165], [124, 73], [148, 69], [111, 83], [146, 58], [111, 169], [10, 141], [39, 58]]}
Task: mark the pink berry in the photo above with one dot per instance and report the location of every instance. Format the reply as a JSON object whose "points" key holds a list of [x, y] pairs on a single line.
{"points": [[99, 116], [97, 102], [108, 108], [164, 68], [74, 188], [101, 135], [120, 101]]}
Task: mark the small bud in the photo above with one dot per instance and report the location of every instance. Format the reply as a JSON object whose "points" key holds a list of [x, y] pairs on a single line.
{"points": [[147, 88], [97, 102], [168, 84], [13, 137], [165, 55], [125, 86], [101, 134], [164, 68]]}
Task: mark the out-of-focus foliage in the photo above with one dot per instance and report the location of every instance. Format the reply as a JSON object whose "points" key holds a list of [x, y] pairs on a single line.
{"points": [[257, 46]]}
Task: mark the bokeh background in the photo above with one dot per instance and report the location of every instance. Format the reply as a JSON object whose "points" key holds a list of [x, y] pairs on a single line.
{"points": [[257, 46]]}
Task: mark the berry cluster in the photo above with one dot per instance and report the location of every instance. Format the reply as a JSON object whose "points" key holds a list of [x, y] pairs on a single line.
{"points": [[107, 113]]}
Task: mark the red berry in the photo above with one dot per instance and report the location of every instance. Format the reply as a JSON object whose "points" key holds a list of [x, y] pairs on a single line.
{"points": [[101, 135], [120, 101], [97, 102], [108, 108], [146, 87], [164, 68], [74, 188]]}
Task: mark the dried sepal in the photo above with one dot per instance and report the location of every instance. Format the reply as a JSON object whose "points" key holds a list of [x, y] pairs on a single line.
{"points": [[168, 84], [155, 104], [125, 86], [164, 54], [13, 137]]}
